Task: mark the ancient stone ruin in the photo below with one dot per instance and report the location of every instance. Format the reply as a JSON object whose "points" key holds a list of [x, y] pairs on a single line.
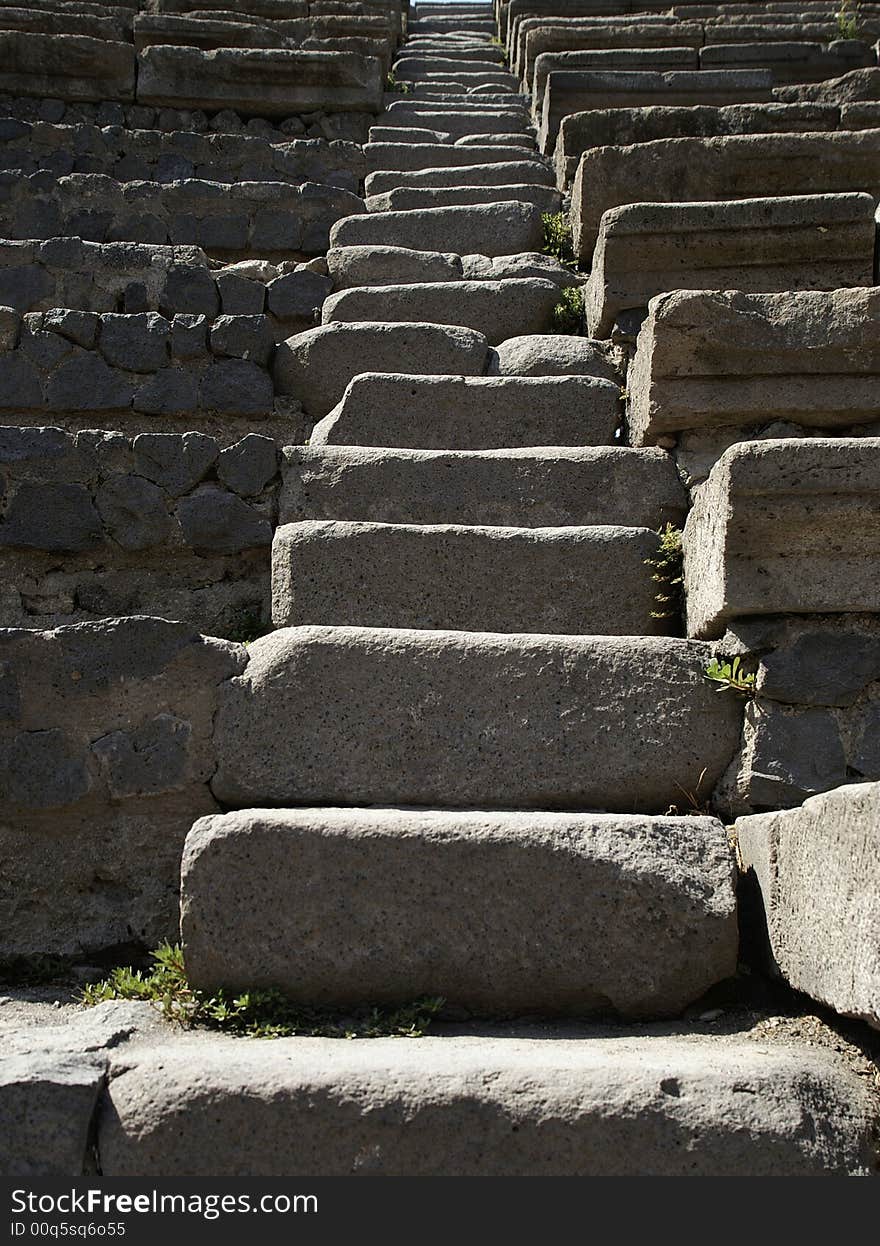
{"points": [[440, 542]]}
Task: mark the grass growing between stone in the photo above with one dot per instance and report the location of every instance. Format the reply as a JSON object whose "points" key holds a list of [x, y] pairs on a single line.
{"points": [[667, 574], [568, 315], [557, 238], [252, 1014]]}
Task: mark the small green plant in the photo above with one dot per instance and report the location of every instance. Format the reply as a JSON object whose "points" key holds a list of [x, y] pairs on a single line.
{"points": [[568, 315], [391, 84], [252, 1014], [848, 18], [248, 626], [696, 806], [557, 238], [668, 574], [730, 675]]}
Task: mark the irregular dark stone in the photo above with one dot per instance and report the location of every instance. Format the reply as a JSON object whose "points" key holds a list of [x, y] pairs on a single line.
{"points": [[189, 289], [57, 517], [10, 697], [20, 388], [795, 755], [216, 522], [86, 383], [151, 759], [171, 391], [249, 465], [866, 759], [236, 387], [40, 771], [243, 337], [824, 667], [240, 296], [137, 343], [77, 326], [297, 295], [189, 336], [134, 512], [25, 286], [134, 298], [175, 461]]}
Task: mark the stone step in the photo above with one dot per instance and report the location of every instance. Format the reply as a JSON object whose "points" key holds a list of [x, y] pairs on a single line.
{"points": [[652, 1104], [785, 527], [497, 309], [755, 245], [315, 366], [503, 228], [472, 413], [706, 359], [372, 716], [659, 60], [409, 65], [406, 134], [565, 581], [525, 140], [409, 198], [503, 172], [743, 166], [493, 912], [526, 488], [377, 266], [462, 80], [403, 157], [816, 868]]}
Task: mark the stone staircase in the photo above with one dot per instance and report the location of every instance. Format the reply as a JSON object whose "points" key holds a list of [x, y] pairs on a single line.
{"points": [[472, 757]]}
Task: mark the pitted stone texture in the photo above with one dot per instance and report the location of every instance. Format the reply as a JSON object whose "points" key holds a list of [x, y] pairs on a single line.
{"points": [[66, 67], [516, 172], [497, 309], [372, 716], [553, 354], [491, 911], [317, 365], [817, 869], [804, 242], [742, 166], [710, 358], [504, 228], [484, 579], [528, 488], [408, 198], [385, 266], [651, 1105], [781, 527], [106, 753], [472, 413]]}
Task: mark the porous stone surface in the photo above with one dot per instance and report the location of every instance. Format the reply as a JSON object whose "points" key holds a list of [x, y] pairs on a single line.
{"points": [[816, 868], [504, 228], [302, 725], [471, 578], [553, 355], [540, 893], [498, 1107], [784, 527]]}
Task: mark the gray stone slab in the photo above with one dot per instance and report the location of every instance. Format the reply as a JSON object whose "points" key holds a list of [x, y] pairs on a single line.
{"points": [[792, 61], [735, 167], [455, 122], [472, 413], [816, 868], [785, 527], [494, 912], [503, 228], [408, 198], [316, 366], [553, 354], [625, 1106], [705, 359], [260, 82], [371, 716], [806, 242], [47, 1101], [385, 266], [497, 309], [527, 488], [412, 157], [634, 58], [66, 67], [577, 581], [516, 172]]}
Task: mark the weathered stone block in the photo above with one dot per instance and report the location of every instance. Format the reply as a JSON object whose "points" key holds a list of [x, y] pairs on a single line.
{"points": [[66, 67], [304, 724], [214, 521], [385, 266], [356, 905], [490, 229], [784, 527], [817, 868]]}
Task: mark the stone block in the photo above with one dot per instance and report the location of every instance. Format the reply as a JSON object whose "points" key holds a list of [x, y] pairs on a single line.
{"points": [[215, 521], [134, 512], [297, 295], [317, 365], [410, 198], [243, 337], [709, 359], [237, 387], [555, 354], [55, 517], [471, 413], [351, 905], [478, 579], [486, 229], [66, 67], [807, 242], [386, 266], [497, 309], [816, 868], [259, 82], [510, 172], [649, 1105], [249, 464], [784, 527], [740, 166], [176, 462], [366, 716], [47, 1103], [136, 343]]}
